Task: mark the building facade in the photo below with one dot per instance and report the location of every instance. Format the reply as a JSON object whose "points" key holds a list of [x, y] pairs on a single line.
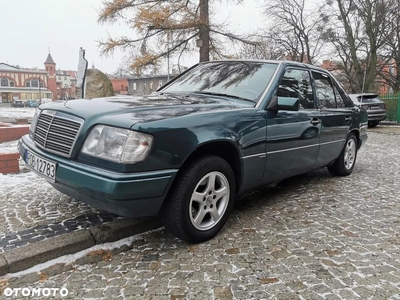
{"points": [[120, 85], [146, 85], [66, 84], [24, 84], [17, 83]]}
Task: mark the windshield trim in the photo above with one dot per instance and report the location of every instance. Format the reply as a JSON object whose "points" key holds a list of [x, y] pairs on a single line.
{"points": [[224, 95], [268, 87]]}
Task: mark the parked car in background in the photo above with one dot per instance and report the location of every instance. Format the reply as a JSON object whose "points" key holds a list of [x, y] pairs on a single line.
{"points": [[217, 131], [17, 103], [375, 107], [32, 103]]}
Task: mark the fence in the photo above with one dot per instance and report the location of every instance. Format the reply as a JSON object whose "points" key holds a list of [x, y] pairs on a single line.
{"points": [[392, 106]]}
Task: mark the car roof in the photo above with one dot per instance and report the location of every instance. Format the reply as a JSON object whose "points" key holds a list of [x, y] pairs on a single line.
{"points": [[279, 62]]}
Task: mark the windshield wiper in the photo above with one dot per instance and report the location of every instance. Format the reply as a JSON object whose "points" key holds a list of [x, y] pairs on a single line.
{"points": [[224, 95]]}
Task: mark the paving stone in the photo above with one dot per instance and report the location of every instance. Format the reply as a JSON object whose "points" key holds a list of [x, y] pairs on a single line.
{"points": [[320, 236]]}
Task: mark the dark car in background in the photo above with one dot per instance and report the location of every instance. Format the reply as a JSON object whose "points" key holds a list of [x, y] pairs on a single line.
{"points": [[32, 103], [17, 103], [374, 106], [212, 134]]}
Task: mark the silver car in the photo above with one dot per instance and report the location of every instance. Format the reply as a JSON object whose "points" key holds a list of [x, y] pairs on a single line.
{"points": [[375, 107]]}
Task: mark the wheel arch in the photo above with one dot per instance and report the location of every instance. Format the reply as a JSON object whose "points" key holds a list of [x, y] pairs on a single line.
{"points": [[225, 149], [356, 132]]}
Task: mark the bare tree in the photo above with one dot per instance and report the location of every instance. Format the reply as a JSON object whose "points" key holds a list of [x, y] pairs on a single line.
{"points": [[296, 28], [164, 28], [389, 66], [264, 48], [357, 33]]}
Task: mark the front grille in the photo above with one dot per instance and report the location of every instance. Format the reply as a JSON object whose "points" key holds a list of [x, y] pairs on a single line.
{"points": [[57, 132]]}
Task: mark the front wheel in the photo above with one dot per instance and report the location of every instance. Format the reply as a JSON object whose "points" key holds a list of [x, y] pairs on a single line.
{"points": [[344, 164], [201, 200]]}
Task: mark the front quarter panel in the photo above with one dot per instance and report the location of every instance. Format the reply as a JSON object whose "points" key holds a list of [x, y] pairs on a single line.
{"points": [[176, 139]]}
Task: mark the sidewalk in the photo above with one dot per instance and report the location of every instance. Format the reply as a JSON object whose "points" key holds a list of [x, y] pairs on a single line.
{"points": [[38, 223]]}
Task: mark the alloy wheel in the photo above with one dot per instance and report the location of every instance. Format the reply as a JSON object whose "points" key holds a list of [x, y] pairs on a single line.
{"points": [[350, 154], [209, 201]]}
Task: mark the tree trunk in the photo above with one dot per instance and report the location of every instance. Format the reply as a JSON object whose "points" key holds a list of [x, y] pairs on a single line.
{"points": [[204, 31]]}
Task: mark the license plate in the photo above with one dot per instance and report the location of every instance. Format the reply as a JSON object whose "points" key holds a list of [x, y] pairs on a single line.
{"points": [[40, 165], [374, 107]]}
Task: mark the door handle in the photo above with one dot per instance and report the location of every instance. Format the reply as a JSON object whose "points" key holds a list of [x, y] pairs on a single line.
{"points": [[347, 119], [315, 121]]}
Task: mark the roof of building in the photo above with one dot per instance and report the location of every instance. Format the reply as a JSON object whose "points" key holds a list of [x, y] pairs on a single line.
{"points": [[49, 60], [7, 67]]}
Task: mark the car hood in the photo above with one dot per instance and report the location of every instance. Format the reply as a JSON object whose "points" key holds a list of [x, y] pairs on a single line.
{"points": [[132, 110]]}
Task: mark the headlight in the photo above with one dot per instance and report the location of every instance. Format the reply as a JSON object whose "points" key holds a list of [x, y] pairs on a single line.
{"points": [[117, 144], [33, 123]]}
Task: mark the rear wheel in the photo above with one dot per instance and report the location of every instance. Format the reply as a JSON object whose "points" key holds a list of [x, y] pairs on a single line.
{"points": [[201, 200], [344, 164], [373, 124]]}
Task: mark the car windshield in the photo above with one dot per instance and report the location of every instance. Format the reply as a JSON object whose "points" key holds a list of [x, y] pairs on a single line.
{"points": [[245, 80]]}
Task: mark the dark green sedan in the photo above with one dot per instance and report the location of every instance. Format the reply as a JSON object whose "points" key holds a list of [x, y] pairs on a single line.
{"points": [[219, 130]]}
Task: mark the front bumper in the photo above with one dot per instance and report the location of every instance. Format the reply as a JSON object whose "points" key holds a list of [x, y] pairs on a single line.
{"points": [[127, 194]]}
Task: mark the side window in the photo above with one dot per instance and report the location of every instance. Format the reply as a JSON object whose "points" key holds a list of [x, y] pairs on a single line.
{"points": [[324, 90], [339, 99], [297, 84]]}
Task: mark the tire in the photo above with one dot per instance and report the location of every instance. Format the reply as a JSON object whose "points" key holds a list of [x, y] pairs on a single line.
{"points": [[373, 124], [196, 211], [344, 164]]}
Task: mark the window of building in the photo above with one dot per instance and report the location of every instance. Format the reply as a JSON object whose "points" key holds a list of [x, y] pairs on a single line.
{"points": [[12, 84], [34, 83], [3, 82], [151, 85], [134, 86], [160, 83], [65, 78], [144, 85]]}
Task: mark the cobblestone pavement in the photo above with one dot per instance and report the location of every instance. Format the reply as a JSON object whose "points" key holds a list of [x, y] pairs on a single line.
{"points": [[31, 210], [26, 201], [312, 237]]}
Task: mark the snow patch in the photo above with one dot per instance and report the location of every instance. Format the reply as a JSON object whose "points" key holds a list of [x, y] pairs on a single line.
{"points": [[71, 258]]}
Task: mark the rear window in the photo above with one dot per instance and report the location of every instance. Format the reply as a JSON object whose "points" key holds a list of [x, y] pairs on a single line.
{"points": [[372, 99]]}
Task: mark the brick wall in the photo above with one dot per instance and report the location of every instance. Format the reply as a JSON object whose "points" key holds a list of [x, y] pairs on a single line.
{"points": [[8, 134], [9, 163]]}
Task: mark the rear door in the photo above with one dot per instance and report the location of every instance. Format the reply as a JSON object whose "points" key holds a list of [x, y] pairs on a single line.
{"points": [[293, 136], [336, 117]]}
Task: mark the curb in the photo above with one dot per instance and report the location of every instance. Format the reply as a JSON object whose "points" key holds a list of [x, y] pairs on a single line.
{"points": [[69, 243]]}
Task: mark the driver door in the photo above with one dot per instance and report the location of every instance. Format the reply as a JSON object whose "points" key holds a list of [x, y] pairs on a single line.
{"points": [[293, 136]]}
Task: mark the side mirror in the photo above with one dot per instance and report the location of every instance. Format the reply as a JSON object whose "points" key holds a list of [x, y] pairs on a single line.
{"points": [[283, 103]]}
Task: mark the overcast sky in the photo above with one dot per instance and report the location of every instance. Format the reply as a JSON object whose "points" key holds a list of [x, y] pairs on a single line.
{"points": [[30, 27]]}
